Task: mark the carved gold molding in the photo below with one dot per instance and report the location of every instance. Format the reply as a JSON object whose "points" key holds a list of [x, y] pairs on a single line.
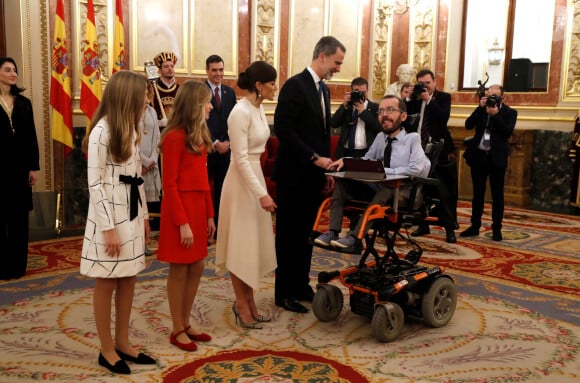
{"points": [[264, 44], [571, 89], [383, 17], [101, 23], [423, 24]]}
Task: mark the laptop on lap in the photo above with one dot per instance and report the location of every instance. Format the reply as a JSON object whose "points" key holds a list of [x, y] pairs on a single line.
{"points": [[363, 169]]}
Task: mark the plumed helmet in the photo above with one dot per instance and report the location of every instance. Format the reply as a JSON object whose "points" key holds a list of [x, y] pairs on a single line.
{"points": [[164, 56]]}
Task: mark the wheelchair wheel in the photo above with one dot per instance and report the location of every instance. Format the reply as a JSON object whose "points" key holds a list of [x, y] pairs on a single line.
{"points": [[327, 303], [439, 302], [387, 322]]}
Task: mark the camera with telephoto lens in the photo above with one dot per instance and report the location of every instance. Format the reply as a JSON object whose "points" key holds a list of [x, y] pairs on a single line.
{"points": [[418, 88], [356, 96], [492, 101]]}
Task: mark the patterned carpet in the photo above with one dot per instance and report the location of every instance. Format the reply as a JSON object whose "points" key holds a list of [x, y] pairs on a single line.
{"points": [[516, 320]]}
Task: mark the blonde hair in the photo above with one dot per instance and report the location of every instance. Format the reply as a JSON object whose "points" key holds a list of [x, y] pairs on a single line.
{"points": [[188, 113], [122, 105]]}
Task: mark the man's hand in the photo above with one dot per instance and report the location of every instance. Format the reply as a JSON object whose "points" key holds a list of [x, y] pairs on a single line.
{"points": [[323, 162], [336, 165], [222, 147], [492, 110]]}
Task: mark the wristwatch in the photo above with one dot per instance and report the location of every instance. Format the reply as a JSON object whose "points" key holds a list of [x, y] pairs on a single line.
{"points": [[314, 157]]}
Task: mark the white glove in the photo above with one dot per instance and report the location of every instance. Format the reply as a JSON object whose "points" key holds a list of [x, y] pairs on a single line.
{"points": [[163, 122]]}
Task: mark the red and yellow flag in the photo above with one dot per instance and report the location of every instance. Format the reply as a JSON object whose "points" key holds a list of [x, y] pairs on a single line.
{"points": [[119, 43], [91, 89], [60, 88]]}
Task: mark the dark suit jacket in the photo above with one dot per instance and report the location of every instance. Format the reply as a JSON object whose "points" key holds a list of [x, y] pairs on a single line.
{"points": [[437, 115], [218, 119], [343, 117], [301, 131], [19, 152], [501, 127]]}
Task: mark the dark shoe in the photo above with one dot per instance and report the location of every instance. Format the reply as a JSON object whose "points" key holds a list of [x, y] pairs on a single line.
{"points": [[184, 346], [450, 236], [202, 337], [496, 236], [118, 368], [307, 296], [421, 230], [291, 304], [139, 359], [471, 231]]}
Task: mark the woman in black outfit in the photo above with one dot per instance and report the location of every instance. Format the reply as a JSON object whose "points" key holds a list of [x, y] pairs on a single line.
{"points": [[20, 161]]}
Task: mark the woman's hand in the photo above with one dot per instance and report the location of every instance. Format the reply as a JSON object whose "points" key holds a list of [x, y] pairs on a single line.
{"points": [[210, 228], [112, 243], [267, 203], [186, 235], [32, 178]]}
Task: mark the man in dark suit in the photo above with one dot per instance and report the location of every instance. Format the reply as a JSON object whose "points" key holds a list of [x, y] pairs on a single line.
{"points": [[487, 155], [358, 121], [302, 125], [433, 108], [223, 100]]}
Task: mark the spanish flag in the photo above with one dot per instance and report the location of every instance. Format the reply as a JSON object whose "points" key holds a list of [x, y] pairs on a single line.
{"points": [[119, 43], [60, 89], [91, 89]]}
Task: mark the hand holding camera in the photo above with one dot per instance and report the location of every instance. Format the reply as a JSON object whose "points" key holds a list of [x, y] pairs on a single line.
{"points": [[356, 96], [492, 103], [420, 91]]}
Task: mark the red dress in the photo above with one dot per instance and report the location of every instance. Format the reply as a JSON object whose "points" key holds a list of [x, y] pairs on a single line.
{"points": [[186, 199]]}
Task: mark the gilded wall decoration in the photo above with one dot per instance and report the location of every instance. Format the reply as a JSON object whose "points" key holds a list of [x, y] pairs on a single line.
{"points": [[101, 20], [572, 79], [383, 18], [265, 31], [423, 22]]}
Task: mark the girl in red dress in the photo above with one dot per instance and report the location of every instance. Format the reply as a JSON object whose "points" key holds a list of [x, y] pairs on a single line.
{"points": [[186, 208]]}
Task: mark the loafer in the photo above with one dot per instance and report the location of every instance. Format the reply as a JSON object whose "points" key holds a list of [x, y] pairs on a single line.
{"points": [[139, 359], [307, 296], [120, 367], [421, 230], [450, 236], [292, 304], [471, 231], [496, 236]]}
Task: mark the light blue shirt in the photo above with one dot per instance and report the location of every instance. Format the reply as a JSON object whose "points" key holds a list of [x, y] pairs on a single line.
{"points": [[407, 155]]}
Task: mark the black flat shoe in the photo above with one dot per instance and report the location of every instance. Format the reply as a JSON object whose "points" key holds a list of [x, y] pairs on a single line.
{"points": [[291, 304], [450, 236], [118, 368], [421, 230], [139, 359], [471, 231]]}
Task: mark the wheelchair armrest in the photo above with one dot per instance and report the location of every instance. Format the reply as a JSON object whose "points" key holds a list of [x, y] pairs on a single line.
{"points": [[416, 180]]}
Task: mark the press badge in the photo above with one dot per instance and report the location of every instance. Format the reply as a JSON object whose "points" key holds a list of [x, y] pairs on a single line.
{"points": [[486, 137]]}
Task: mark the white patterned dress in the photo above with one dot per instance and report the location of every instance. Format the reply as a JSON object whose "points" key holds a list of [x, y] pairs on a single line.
{"points": [[109, 207]]}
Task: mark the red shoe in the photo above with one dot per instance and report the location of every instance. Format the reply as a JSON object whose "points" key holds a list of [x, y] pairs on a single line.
{"points": [[203, 337], [184, 346]]}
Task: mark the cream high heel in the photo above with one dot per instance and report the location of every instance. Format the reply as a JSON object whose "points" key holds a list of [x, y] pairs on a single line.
{"points": [[241, 323]]}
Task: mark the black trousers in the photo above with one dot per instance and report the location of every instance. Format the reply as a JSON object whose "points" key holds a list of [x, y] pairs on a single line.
{"points": [[448, 194], [295, 218], [13, 244], [481, 169], [217, 167]]}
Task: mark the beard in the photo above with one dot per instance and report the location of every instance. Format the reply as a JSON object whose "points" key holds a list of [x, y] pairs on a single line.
{"points": [[395, 125]]}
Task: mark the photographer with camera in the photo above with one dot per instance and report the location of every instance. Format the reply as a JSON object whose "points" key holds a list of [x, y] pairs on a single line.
{"points": [[487, 155], [433, 108], [358, 121]]}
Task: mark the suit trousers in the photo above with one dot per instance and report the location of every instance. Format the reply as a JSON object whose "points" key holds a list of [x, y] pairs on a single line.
{"points": [[447, 189], [14, 243], [295, 216], [481, 169], [217, 167]]}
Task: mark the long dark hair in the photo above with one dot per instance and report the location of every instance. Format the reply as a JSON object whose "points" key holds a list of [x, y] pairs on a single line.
{"points": [[14, 89]]}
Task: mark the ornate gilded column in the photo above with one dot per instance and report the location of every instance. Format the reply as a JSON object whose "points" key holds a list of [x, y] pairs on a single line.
{"points": [[572, 74], [423, 24], [264, 44], [383, 18]]}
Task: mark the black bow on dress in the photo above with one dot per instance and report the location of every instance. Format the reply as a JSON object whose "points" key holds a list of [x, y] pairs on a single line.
{"points": [[135, 196]]}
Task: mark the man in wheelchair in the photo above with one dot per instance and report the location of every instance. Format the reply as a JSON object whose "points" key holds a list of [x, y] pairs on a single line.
{"points": [[401, 153]]}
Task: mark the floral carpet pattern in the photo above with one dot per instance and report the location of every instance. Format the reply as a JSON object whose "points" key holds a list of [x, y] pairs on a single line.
{"points": [[516, 320]]}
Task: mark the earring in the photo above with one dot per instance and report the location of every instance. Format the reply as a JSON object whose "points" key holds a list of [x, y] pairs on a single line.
{"points": [[259, 95]]}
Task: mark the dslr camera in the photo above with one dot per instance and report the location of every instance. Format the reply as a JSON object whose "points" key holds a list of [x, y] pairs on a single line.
{"points": [[492, 101], [418, 88], [356, 96]]}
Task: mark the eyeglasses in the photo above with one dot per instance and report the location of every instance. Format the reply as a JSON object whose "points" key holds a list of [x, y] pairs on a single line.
{"points": [[389, 110]]}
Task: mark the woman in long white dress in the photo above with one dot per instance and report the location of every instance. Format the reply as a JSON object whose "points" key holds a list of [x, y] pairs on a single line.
{"points": [[245, 239]]}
